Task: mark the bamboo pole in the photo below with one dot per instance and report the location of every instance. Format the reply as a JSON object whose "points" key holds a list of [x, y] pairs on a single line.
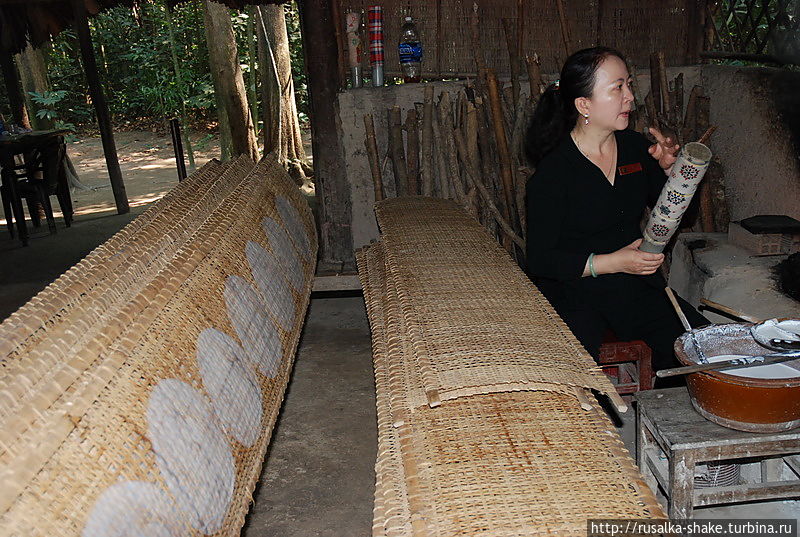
{"points": [[477, 49], [427, 168], [690, 117], [441, 184], [371, 144], [487, 197], [565, 34], [520, 30], [663, 84], [677, 104], [448, 144], [502, 143], [650, 106], [513, 60], [655, 87], [397, 152], [707, 135], [412, 151], [471, 134]]}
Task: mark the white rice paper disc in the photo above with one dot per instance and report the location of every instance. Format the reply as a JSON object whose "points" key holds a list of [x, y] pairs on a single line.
{"points": [[259, 336], [134, 509], [294, 226], [287, 254], [192, 453], [231, 383], [268, 275]]}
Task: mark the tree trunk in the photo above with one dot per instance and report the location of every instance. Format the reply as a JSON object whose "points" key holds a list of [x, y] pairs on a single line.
{"points": [[33, 75], [229, 82], [291, 144], [270, 89], [16, 100], [252, 79]]}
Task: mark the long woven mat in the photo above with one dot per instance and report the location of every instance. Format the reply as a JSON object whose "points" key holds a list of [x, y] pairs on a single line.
{"points": [[519, 463], [154, 419], [476, 322]]}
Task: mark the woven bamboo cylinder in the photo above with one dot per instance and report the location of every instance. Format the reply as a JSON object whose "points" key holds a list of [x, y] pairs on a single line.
{"points": [[144, 402], [687, 172]]}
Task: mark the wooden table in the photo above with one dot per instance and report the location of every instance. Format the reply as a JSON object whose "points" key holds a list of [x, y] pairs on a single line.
{"points": [[668, 425], [10, 146]]}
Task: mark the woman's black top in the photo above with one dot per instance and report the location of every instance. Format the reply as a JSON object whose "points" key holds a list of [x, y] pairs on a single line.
{"points": [[573, 211]]}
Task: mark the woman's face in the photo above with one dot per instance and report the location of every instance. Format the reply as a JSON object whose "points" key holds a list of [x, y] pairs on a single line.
{"points": [[610, 104]]}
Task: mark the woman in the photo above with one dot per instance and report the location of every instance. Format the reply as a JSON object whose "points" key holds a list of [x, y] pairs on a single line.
{"points": [[594, 179]]}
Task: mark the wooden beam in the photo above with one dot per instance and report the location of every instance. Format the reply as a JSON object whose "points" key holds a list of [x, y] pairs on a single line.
{"points": [[333, 190], [101, 108]]}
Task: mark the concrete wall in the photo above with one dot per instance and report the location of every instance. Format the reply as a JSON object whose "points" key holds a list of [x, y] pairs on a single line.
{"points": [[761, 164], [762, 175]]}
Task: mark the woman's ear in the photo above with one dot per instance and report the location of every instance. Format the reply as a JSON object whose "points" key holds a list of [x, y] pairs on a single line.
{"points": [[582, 104]]}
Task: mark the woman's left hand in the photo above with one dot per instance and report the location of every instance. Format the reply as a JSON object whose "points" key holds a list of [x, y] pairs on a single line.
{"points": [[665, 150]]}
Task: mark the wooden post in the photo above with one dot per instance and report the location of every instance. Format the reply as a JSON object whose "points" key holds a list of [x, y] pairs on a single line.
{"points": [[100, 106], [338, 22], [333, 190], [695, 22]]}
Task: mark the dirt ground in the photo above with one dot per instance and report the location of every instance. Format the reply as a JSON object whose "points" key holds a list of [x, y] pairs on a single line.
{"points": [[148, 168]]}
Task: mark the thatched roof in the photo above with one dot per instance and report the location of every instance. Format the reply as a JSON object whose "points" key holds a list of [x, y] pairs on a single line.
{"points": [[36, 21]]}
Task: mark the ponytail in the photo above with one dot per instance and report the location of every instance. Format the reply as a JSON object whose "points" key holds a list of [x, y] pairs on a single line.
{"points": [[551, 121], [555, 113]]}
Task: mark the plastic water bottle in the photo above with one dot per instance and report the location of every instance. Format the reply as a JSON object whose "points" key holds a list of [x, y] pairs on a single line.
{"points": [[410, 52]]}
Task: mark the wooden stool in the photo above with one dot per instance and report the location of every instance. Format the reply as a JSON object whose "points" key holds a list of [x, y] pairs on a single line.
{"points": [[668, 426], [629, 362]]}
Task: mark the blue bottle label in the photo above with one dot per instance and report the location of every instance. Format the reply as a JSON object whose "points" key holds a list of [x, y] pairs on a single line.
{"points": [[410, 52]]}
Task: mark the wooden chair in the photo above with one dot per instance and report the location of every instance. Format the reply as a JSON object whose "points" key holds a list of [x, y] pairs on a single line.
{"points": [[628, 363]]}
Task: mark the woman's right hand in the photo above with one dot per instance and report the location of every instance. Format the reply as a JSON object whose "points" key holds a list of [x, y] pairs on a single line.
{"points": [[634, 261]]}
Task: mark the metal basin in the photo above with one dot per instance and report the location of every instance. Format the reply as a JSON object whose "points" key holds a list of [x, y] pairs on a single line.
{"points": [[739, 402]]}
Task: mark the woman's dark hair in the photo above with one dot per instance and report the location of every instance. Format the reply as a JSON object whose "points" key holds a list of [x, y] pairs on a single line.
{"points": [[555, 114]]}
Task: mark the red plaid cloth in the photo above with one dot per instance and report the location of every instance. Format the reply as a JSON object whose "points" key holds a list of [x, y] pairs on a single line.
{"points": [[375, 27]]}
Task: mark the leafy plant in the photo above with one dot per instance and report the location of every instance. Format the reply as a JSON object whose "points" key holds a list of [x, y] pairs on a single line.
{"points": [[49, 101]]}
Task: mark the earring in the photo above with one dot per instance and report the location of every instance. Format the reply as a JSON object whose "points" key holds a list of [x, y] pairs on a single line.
{"points": [[587, 119]]}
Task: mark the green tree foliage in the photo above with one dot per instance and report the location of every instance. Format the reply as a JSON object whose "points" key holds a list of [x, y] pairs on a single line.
{"points": [[135, 65]]}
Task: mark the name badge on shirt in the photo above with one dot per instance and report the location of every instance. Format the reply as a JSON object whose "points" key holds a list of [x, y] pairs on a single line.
{"points": [[630, 168]]}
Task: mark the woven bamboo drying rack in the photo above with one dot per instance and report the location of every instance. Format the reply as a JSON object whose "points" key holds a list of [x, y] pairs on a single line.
{"points": [[490, 434], [114, 369]]}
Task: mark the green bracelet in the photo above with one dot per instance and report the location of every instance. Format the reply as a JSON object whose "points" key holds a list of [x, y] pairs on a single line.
{"points": [[591, 266]]}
